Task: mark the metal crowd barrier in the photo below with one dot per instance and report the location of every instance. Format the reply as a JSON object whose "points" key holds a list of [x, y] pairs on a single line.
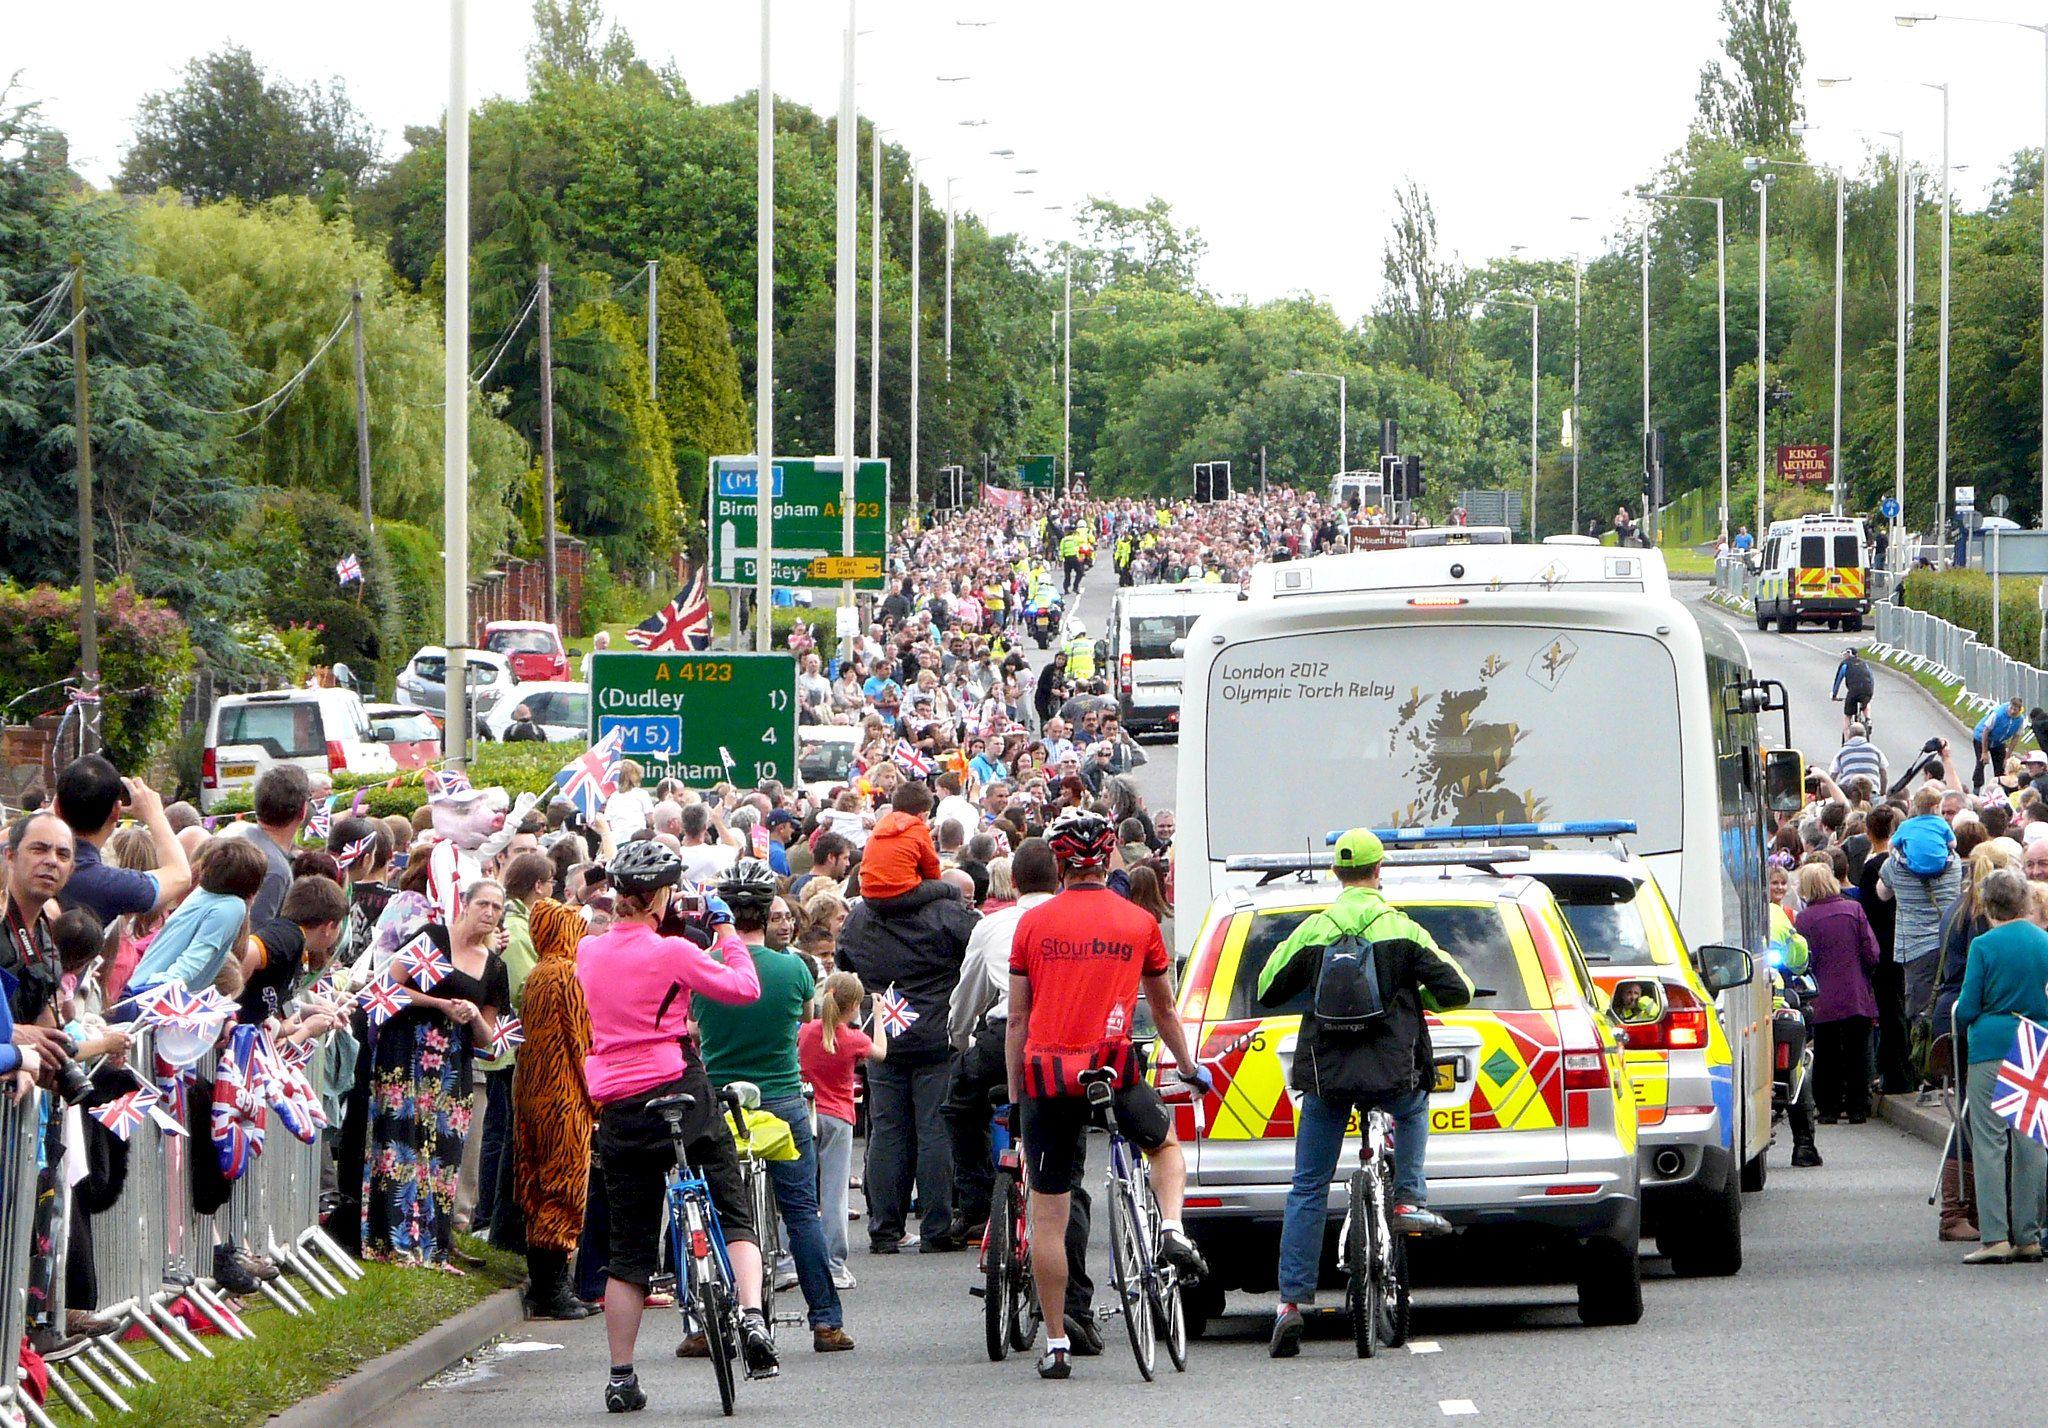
{"points": [[1955, 655], [152, 1248]]}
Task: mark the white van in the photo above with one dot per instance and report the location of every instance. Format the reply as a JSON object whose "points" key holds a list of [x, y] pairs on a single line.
{"points": [[325, 731], [1147, 627], [1815, 568]]}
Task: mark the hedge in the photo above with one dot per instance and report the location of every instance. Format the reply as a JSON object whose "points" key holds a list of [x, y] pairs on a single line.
{"points": [[1963, 597], [145, 663], [517, 768]]}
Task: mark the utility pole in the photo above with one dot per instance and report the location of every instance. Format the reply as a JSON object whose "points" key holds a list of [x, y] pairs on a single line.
{"points": [[1262, 468], [653, 332], [455, 393], [547, 426], [916, 320], [764, 354], [875, 306], [848, 242], [362, 408], [88, 571]]}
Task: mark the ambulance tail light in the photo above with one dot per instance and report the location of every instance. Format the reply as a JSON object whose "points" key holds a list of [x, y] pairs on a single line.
{"points": [[1584, 1059], [1683, 1027]]}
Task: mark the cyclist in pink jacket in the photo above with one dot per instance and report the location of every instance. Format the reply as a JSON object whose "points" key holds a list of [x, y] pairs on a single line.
{"points": [[637, 982]]}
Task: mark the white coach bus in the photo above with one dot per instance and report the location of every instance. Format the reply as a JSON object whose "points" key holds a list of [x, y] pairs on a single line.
{"points": [[1482, 685]]}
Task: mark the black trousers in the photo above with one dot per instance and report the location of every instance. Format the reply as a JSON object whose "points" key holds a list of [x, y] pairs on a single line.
{"points": [[1841, 1066]]}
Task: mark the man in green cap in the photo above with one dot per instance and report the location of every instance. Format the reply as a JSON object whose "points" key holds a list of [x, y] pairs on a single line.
{"points": [[1369, 971]]}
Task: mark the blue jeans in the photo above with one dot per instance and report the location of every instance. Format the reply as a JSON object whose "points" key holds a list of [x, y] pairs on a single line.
{"points": [[1318, 1141], [796, 1196]]}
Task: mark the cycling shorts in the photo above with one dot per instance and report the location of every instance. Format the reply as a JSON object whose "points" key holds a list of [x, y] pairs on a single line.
{"points": [[636, 1156], [1055, 1143], [1854, 703]]}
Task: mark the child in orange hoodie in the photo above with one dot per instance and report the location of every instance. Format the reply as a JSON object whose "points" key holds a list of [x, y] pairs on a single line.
{"points": [[900, 853]]}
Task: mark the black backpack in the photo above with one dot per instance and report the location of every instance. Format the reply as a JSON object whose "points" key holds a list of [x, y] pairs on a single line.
{"points": [[1347, 995]]}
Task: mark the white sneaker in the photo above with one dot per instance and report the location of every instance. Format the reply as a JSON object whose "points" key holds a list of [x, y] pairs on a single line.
{"points": [[785, 1279], [842, 1277]]}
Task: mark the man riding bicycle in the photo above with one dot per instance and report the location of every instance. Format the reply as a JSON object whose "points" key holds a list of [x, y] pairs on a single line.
{"points": [[637, 981], [1076, 966], [1369, 971], [1854, 684]]}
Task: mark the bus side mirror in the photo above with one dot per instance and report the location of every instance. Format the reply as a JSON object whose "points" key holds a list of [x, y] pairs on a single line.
{"points": [[1784, 780], [1723, 967], [1177, 648]]}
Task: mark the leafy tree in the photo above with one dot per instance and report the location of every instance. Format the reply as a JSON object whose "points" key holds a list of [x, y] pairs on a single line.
{"points": [[231, 130], [294, 539], [278, 277], [699, 376], [161, 464], [1424, 311], [1753, 98], [566, 41], [626, 501]]}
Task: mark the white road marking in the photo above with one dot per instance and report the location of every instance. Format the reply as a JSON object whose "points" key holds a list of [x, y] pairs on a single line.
{"points": [[1457, 1407], [1425, 1346]]}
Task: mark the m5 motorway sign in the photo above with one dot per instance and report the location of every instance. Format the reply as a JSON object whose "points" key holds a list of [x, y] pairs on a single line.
{"points": [[808, 533]]}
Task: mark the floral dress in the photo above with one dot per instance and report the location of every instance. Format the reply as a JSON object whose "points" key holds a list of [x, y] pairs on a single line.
{"points": [[420, 1095]]}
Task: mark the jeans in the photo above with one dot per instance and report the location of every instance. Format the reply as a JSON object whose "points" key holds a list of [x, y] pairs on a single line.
{"points": [[497, 1137], [796, 1196], [906, 1140], [835, 1166], [1988, 753], [1318, 1141], [2012, 1169]]}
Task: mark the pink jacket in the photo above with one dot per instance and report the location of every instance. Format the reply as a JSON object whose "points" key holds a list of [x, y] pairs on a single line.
{"points": [[637, 984]]}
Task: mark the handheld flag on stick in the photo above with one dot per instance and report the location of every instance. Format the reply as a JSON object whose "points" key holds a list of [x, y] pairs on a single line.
{"points": [[894, 1011], [508, 1036], [593, 775], [382, 1000], [348, 569], [2021, 1095]]}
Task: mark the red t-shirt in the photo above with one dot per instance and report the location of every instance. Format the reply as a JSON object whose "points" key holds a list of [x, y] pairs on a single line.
{"points": [[1084, 953], [831, 1072]]}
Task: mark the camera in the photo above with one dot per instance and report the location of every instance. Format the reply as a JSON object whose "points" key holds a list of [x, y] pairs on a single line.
{"points": [[74, 1084]]}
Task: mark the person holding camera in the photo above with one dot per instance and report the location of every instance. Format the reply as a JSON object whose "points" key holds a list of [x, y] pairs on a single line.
{"points": [[93, 798]]}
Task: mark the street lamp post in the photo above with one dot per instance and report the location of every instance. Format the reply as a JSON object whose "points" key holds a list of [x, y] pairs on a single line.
{"points": [[2041, 30], [1343, 409], [1941, 398], [764, 347], [1578, 427], [1721, 305], [1535, 389], [1761, 186], [1067, 314]]}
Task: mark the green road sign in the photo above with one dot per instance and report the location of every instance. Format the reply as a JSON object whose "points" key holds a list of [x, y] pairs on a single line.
{"points": [[700, 717], [808, 531], [1038, 473]]}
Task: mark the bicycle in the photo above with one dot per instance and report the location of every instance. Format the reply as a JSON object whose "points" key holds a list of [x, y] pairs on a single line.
{"points": [[1009, 1296], [1148, 1289], [706, 1291], [1374, 1255]]}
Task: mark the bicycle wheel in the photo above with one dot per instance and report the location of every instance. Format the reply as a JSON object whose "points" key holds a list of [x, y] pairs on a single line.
{"points": [[1025, 1313], [997, 1248], [721, 1337], [1130, 1261], [1390, 1303], [769, 1238], [1358, 1261], [1175, 1317]]}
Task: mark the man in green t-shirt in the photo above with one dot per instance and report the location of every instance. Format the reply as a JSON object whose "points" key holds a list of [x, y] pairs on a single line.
{"points": [[757, 1042]]}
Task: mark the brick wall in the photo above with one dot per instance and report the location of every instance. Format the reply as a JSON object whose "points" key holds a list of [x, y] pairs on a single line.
{"points": [[518, 589]]}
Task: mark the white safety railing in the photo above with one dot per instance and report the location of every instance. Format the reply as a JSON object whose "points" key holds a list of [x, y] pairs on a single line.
{"points": [[1956, 656], [153, 1250]]}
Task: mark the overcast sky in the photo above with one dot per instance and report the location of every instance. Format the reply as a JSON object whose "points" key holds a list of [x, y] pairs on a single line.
{"points": [[1279, 129]]}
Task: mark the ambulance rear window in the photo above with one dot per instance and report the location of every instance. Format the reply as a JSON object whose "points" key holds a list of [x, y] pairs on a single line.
{"points": [[1474, 936]]}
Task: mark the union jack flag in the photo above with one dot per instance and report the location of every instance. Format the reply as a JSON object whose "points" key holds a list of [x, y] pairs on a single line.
{"points": [[421, 962], [446, 783], [2022, 1092], [357, 851], [287, 1091], [320, 817], [593, 775], [125, 1113], [684, 623], [348, 568], [894, 1011], [238, 1111], [508, 1035], [911, 760], [382, 1000]]}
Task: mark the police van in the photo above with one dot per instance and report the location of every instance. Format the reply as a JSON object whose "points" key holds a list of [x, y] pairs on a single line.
{"points": [[1148, 627], [1814, 568]]}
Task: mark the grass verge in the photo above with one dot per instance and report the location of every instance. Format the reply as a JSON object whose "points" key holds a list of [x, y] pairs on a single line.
{"points": [[293, 1359]]}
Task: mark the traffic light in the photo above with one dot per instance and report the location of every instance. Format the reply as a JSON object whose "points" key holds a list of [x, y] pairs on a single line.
{"points": [[1653, 470], [1390, 436], [1202, 496], [1411, 476]]}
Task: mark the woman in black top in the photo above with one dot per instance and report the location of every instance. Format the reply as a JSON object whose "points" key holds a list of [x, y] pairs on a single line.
{"points": [[421, 1088]]}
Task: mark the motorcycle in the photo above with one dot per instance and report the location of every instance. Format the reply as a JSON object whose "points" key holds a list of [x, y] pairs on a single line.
{"points": [[1792, 1042], [1042, 618]]}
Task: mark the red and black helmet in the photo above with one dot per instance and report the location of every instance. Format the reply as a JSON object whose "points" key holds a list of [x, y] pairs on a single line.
{"points": [[1081, 839]]}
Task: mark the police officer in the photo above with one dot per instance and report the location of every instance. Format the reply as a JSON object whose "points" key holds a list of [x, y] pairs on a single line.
{"points": [[1080, 652], [1070, 557]]}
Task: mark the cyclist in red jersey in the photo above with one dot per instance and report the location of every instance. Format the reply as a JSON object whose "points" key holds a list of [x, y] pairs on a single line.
{"points": [[1077, 964]]}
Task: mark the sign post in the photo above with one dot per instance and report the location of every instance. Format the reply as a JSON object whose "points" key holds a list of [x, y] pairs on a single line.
{"points": [[1806, 465], [806, 520], [701, 716]]}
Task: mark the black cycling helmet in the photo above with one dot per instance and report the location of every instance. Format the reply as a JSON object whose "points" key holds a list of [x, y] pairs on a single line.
{"points": [[643, 866], [748, 883], [1081, 839]]}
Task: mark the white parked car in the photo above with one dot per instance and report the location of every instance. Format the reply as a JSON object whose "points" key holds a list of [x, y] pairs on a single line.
{"points": [[824, 757], [324, 731], [423, 683], [560, 706]]}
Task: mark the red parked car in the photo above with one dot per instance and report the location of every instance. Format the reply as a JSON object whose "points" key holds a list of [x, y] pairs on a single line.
{"points": [[415, 740], [532, 647]]}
